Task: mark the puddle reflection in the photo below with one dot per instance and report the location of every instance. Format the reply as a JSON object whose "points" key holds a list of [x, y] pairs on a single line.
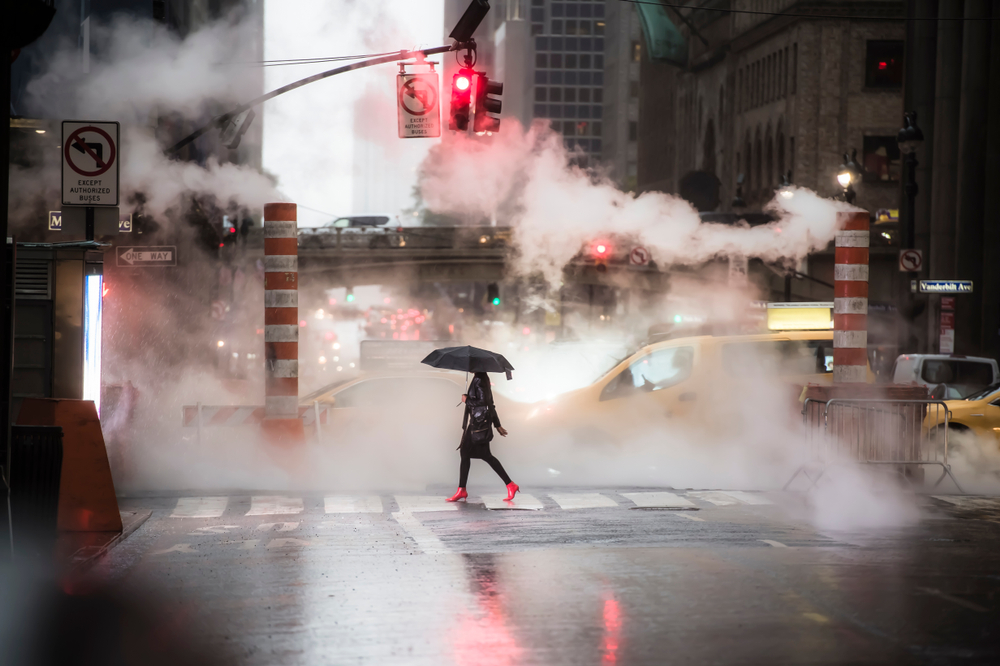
{"points": [[484, 636]]}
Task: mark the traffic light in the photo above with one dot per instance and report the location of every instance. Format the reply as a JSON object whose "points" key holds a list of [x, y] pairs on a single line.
{"points": [[228, 233], [601, 251], [493, 293], [486, 105], [350, 295], [461, 99]]}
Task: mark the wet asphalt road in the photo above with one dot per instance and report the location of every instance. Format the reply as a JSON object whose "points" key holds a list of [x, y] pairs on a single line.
{"points": [[584, 578]]}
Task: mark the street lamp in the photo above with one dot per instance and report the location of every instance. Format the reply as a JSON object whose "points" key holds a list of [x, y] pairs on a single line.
{"points": [[909, 139], [849, 174], [785, 186], [738, 201]]}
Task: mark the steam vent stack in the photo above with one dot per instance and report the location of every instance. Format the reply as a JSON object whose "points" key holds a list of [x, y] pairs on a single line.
{"points": [[281, 324], [850, 299]]}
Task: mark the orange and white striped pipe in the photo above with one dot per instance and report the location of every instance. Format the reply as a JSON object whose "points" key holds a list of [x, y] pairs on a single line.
{"points": [[850, 299], [281, 318]]}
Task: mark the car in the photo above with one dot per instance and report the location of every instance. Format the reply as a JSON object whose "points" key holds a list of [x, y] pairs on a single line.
{"points": [[978, 414], [691, 381], [410, 393], [946, 376], [364, 231]]}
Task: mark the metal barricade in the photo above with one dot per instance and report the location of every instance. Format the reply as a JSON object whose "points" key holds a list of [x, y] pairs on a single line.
{"points": [[900, 433]]}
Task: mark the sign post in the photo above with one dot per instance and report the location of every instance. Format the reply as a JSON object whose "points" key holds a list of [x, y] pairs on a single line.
{"points": [[90, 166], [419, 111]]}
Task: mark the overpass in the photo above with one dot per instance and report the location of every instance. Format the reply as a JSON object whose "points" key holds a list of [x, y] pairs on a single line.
{"points": [[349, 257]]}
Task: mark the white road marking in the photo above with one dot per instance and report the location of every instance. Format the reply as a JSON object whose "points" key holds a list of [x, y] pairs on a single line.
{"points": [[179, 548], [200, 507], [212, 529], [285, 527], [348, 504], [661, 500], [521, 502], [953, 599], [284, 543], [270, 505], [249, 544], [747, 498], [716, 498], [413, 503], [690, 517], [776, 544], [583, 501], [424, 538]]}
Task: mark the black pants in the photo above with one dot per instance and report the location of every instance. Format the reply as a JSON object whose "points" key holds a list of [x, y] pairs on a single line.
{"points": [[463, 476]]}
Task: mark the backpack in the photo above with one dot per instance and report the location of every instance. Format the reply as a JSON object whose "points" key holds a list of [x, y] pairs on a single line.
{"points": [[480, 425]]}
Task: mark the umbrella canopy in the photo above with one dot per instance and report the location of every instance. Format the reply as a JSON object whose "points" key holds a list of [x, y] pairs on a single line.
{"points": [[468, 359]]}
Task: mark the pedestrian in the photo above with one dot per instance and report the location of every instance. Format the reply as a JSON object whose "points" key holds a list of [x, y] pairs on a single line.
{"points": [[477, 432]]}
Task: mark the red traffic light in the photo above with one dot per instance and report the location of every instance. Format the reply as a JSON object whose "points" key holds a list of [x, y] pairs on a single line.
{"points": [[461, 100], [601, 249], [462, 82]]}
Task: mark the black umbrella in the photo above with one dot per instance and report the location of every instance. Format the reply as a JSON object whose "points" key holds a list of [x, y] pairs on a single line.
{"points": [[468, 359]]}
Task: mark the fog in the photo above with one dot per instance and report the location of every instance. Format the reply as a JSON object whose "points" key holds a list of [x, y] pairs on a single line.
{"points": [[748, 436]]}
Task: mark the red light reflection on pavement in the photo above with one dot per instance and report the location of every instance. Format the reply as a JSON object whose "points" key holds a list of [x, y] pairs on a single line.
{"points": [[483, 636], [612, 630]]}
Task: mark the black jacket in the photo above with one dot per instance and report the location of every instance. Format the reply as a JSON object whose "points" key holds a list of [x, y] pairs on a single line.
{"points": [[488, 395]]}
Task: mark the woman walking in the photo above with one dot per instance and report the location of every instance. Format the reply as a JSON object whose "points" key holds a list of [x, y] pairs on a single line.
{"points": [[477, 432]]}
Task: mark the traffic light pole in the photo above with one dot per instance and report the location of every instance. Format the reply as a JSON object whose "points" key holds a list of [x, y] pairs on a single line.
{"points": [[396, 57]]}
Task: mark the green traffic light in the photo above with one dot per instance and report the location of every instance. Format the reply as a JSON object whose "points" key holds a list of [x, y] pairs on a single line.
{"points": [[496, 301], [350, 298]]}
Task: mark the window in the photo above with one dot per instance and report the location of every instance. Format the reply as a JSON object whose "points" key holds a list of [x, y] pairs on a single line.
{"points": [[654, 372], [555, 94], [585, 28], [537, 29], [633, 131], [555, 61], [572, 9], [633, 89], [965, 377], [795, 67], [571, 28], [777, 358], [570, 61], [581, 128], [540, 94], [595, 129], [599, 28], [881, 158], [537, 15], [599, 95], [557, 9], [557, 27], [884, 64], [584, 94], [585, 61], [569, 94], [541, 60]]}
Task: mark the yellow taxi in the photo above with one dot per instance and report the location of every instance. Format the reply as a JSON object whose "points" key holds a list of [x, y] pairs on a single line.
{"points": [[706, 382], [979, 414]]}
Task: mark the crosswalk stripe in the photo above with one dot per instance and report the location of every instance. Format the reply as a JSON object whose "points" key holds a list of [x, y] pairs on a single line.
{"points": [[420, 533], [411, 503], [660, 500], [349, 504], [200, 507], [747, 498], [716, 498], [967, 502], [521, 502], [583, 501], [270, 505]]}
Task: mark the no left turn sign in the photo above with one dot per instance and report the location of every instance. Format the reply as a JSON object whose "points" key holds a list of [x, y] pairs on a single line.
{"points": [[911, 261], [419, 111], [639, 256], [90, 163]]}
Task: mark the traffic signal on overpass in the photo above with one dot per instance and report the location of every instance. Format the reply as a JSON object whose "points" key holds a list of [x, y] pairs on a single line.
{"points": [[228, 234], [487, 105], [493, 293], [461, 99], [601, 250], [350, 295]]}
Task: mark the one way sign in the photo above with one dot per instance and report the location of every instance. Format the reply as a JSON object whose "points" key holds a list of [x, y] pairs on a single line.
{"points": [[147, 257]]}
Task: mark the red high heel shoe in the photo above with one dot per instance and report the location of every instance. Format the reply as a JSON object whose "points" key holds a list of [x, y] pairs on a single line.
{"points": [[459, 494], [512, 488]]}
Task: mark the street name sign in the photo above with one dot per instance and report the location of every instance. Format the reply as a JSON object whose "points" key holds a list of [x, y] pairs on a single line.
{"points": [[419, 111], [911, 261], [125, 223], [90, 159], [55, 220], [946, 286], [147, 257]]}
